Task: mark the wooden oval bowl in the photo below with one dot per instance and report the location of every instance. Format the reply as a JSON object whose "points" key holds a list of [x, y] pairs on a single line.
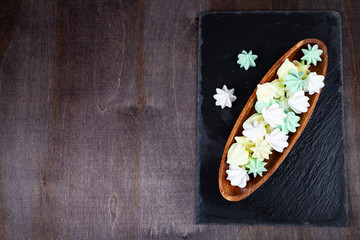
{"points": [[234, 193]]}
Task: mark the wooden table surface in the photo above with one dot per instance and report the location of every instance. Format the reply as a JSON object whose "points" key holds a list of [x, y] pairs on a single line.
{"points": [[98, 119]]}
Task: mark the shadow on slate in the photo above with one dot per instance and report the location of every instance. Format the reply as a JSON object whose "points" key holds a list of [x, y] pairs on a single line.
{"points": [[309, 188]]}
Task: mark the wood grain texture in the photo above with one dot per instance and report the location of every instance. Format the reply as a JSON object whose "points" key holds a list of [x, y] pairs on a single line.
{"points": [[98, 120]]}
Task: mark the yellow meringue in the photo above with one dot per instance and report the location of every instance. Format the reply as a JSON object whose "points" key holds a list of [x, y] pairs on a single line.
{"points": [[265, 92], [285, 68], [237, 155]]}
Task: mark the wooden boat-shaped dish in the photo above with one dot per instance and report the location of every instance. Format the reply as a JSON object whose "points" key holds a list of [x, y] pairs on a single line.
{"points": [[234, 193]]}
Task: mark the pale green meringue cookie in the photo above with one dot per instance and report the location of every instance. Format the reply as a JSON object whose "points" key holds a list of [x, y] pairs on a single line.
{"points": [[291, 122], [312, 54], [293, 81], [246, 60], [256, 167]]}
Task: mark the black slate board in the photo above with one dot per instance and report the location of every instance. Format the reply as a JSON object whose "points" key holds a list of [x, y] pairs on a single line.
{"points": [[309, 188]]}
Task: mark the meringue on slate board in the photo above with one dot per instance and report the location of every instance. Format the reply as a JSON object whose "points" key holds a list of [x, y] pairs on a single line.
{"points": [[224, 97], [279, 106]]}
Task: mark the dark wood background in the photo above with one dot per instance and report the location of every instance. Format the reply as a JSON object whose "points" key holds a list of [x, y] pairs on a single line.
{"points": [[98, 119]]}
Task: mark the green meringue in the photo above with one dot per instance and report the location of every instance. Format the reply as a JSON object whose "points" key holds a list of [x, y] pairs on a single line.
{"points": [[312, 54], [293, 81], [246, 60], [256, 167], [291, 122]]}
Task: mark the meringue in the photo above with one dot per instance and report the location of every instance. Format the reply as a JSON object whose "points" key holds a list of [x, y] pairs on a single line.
{"points": [[293, 81], [279, 88], [283, 103], [256, 116], [237, 154], [285, 68], [245, 142], [254, 130], [314, 83], [246, 60], [224, 97], [237, 176], [265, 92], [277, 139], [312, 54], [299, 102], [273, 115], [291, 122], [256, 167], [260, 105], [301, 67], [261, 150]]}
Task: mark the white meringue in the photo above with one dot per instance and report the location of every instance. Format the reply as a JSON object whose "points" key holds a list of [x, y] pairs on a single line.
{"points": [[224, 97], [254, 130], [299, 102], [313, 83], [277, 139], [274, 115], [237, 176], [237, 154]]}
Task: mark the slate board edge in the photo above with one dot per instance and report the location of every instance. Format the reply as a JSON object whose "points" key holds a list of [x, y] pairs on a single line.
{"points": [[198, 133], [200, 99], [333, 12], [346, 204]]}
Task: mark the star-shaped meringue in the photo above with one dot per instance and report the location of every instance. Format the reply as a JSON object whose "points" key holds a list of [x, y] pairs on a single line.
{"points": [[245, 142], [277, 139], [299, 102], [312, 54], [254, 130], [274, 115], [265, 92], [237, 176], [256, 167], [291, 122], [261, 150], [246, 60], [237, 154], [224, 97], [314, 83], [293, 81]]}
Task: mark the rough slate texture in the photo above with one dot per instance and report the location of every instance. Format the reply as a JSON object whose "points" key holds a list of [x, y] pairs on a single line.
{"points": [[309, 188]]}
